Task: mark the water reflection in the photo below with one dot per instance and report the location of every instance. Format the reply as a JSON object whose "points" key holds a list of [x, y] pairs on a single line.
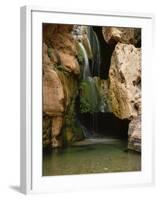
{"points": [[96, 158]]}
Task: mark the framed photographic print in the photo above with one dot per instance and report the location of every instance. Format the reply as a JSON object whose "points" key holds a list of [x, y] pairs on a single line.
{"points": [[86, 100]]}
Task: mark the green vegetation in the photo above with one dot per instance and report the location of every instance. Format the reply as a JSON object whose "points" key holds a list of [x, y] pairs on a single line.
{"points": [[72, 131], [49, 52], [89, 97], [80, 55]]}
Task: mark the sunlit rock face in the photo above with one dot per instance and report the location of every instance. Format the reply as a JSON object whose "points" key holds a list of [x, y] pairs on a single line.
{"points": [[60, 74], [125, 81], [61, 46], [125, 86], [53, 94], [73, 66]]}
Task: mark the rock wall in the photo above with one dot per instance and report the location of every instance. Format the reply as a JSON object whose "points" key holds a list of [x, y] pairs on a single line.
{"points": [[113, 35], [134, 134], [124, 90], [125, 80], [60, 79], [63, 67]]}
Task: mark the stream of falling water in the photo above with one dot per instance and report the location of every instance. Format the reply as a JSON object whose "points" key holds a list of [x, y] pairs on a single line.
{"points": [[94, 154], [87, 74], [86, 69]]}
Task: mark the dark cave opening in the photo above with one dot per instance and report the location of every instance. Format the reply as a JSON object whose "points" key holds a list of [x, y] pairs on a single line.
{"points": [[104, 125], [105, 54]]}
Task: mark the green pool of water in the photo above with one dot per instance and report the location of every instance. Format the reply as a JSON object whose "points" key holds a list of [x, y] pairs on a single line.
{"points": [[95, 158]]}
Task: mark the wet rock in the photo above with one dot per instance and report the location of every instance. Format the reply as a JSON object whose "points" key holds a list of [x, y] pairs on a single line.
{"points": [[102, 86], [112, 35], [134, 133], [89, 96], [68, 135], [53, 94], [56, 142], [47, 123], [53, 56], [61, 45], [57, 123], [125, 81], [60, 74], [80, 33]]}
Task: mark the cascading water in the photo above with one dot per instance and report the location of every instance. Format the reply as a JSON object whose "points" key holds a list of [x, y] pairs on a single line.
{"points": [[91, 94], [92, 107], [86, 132], [86, 70], [90, 98]]}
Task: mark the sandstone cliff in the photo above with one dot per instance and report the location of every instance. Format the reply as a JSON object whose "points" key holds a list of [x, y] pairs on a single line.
{"points": [[60, 78], [106, 79], [124, 90]]}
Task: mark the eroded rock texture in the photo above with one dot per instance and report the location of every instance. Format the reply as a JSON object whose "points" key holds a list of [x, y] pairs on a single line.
{"points": [[63, 62], [60, 71], [125, 88], [112, 35], [125, 81], [61, 46], [134, 134], [53, 94]]}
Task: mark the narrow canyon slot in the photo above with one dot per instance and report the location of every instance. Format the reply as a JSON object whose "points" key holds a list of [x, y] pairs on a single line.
{"points": [[91, 99]]}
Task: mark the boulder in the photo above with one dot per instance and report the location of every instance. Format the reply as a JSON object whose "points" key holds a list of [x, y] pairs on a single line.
{"points": [[125, 81], [53, 94], [112, 35], [124, 90]]}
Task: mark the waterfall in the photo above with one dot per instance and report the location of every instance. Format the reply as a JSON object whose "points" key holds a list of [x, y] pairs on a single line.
{"points": [[91, 100], [91, 94], [96, 51], [86, 133], [86, 70], [97, 59]]}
